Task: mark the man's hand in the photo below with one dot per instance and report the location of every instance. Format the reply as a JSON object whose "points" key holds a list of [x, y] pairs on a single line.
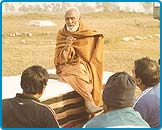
{"points": [[70, 39], [65, 53], [69, 42]]}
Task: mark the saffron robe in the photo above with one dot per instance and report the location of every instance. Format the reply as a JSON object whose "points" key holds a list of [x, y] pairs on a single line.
{"points": [[83, 68]]}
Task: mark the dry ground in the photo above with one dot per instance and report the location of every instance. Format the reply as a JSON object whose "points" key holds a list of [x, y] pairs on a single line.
{"points": [[119, 55]]}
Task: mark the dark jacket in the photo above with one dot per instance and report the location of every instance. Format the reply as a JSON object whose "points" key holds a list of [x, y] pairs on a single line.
{"points": [[27, 112]]}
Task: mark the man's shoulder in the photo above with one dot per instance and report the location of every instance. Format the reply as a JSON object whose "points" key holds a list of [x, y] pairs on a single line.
{"points": [[61, 29], [154, 91], [39, 104], [148, 99], [42, 106], [7, 100], [95, 122]]}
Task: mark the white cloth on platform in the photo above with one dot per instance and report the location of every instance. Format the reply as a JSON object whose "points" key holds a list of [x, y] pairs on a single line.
{"points": [[11, 86]]}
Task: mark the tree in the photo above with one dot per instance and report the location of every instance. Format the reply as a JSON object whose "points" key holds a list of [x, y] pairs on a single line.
{"points": [[12, 8], [6, 6], [147, 6], [23, 8], [110, 7], [65, 6]]}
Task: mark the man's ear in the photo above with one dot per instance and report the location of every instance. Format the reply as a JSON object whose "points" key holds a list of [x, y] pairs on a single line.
{"points": [[79, 18], [41, 92], [138, 81]]}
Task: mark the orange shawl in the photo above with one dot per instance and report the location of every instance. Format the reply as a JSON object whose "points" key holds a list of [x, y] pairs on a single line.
{"points": [[89, 48]]}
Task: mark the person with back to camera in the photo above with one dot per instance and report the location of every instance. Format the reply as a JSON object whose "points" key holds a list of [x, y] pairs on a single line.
{"points": [[147, 76], [79, 59], [25, 110], [118, 98]]}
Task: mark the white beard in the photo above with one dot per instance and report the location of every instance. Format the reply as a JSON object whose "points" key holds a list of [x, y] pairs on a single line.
{"points": [[72, 28]]}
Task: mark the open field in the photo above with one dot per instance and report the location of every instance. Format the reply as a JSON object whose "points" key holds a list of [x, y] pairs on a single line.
{"points": [[36, 45], [19, 52]]}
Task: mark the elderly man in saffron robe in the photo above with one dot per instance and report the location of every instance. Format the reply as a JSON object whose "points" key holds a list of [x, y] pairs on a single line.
{"points": [[79, 59]]}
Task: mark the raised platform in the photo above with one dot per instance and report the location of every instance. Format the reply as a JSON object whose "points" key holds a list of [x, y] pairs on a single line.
{"points": [[68, 105]]}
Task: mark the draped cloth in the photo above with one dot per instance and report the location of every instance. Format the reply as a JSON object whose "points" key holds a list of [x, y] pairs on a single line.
{"points": [[83, 67]]}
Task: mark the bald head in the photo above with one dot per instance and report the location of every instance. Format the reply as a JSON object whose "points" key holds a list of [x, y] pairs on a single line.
{"points": [[72, 17], [73, 11]]}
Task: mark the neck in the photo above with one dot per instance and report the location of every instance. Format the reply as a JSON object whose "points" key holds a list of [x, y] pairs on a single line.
{"points": [[107, 108], [33, 95], [142, 87]]}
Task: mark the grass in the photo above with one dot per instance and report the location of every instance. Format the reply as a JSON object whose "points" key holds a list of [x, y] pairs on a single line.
{"points": [[39, 49]]}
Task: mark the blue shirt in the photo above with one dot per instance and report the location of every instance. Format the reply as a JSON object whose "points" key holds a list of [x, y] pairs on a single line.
{"points": [[148, 105], [120, 118]]}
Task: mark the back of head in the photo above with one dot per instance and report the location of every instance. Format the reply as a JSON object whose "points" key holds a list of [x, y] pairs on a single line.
{"points": [[33, 79], [148, 71], [119, 91]]}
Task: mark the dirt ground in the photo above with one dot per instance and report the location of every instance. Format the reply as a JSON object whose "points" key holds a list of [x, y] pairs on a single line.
{"points": [[23, 45], [128, 36], [36, 45]]}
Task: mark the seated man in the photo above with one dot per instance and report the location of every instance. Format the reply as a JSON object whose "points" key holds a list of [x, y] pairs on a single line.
{"points": [[79, 59], [25, 110], [118, 98], [147, 75]]}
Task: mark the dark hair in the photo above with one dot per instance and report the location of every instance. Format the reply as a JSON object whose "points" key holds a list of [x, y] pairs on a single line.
{"points": [[33, 79], [148, 71]]}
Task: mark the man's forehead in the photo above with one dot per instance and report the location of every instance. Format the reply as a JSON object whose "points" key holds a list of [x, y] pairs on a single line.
{"points": [[71, 14]]}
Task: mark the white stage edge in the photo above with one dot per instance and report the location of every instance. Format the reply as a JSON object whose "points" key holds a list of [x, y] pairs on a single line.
{"points": [[54, 88]]}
